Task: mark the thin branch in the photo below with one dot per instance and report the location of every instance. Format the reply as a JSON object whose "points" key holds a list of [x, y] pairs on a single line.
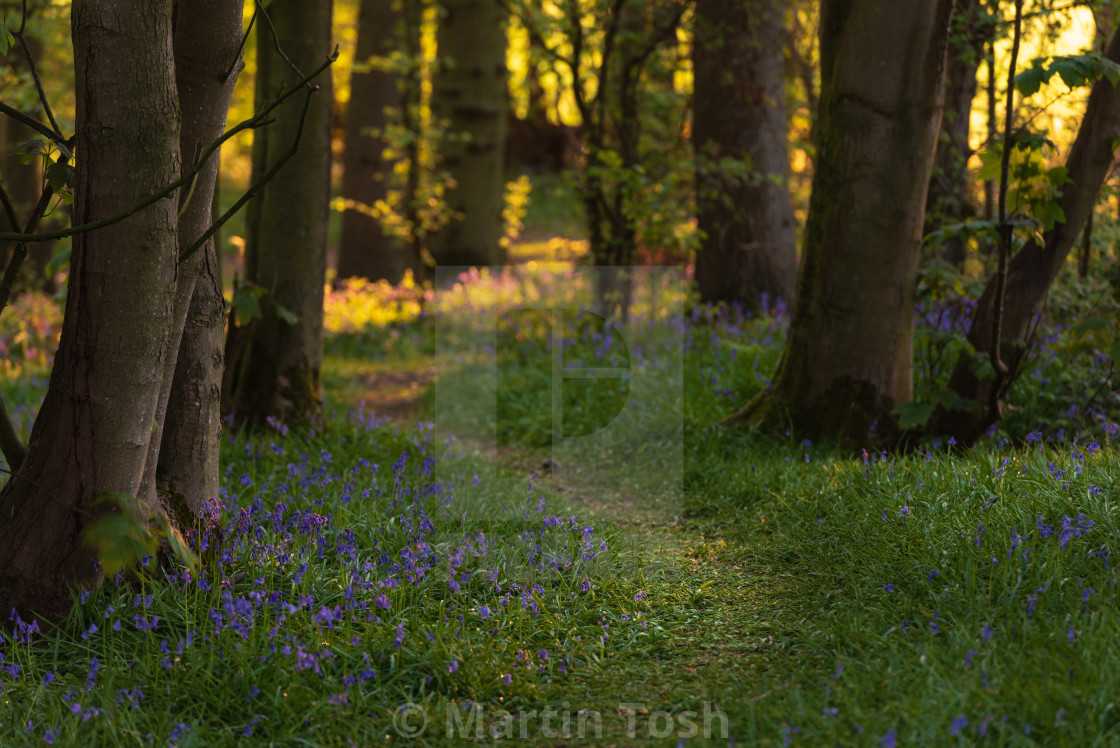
{"points": [[9, 211], [10, 444], [20, 253], [276, 41], [36, 125], [258, 120], [241, 47], [256, 187], [35, 72], [1004, 225], [535, 37]]}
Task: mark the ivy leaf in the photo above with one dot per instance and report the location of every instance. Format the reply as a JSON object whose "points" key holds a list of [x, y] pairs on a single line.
{"points": [[913, 413]]}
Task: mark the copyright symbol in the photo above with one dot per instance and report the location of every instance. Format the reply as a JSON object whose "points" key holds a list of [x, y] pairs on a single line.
{"points": [[410, 720]]}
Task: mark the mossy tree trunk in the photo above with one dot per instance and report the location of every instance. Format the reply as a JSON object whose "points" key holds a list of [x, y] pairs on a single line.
{"points": [[365, 250], [1033, 269], [847, 360], [93, 432], [470, 92], [748, 246], [273, 365]]}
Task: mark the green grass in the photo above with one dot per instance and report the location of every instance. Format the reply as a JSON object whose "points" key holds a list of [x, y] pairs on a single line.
{"points": [[790, 594]]}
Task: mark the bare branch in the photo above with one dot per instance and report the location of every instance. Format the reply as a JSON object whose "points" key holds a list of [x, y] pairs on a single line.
{"points": [[35, 72], [241, 47], [276, 41], [256, 187], [35, 125], [258, 120]]}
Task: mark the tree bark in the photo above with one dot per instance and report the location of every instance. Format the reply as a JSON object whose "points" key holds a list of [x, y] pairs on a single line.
{"points": [[365, 250], [471, 93], [847, 360], [184, 461], [273, 368], [93, 431], [950, 185], [748, 246], [1033, 269]]}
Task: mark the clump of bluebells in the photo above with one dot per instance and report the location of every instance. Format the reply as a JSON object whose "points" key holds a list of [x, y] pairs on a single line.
{"points": [[341, 578]]}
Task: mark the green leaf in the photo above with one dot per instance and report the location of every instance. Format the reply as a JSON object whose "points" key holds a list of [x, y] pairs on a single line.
{"points": [[913, 413], [61, 176], [981, 365], [120, 538], [1073, 70], [990, 163], [950, 400], [32, 149], [284, 313], [7, 41], [1029, 81], [59, 261], [247, 302], [180, 547]]}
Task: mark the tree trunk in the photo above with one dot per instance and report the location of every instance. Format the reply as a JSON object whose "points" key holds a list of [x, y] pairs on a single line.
{"points": [[950, 185], [93, 431], [748, 246], [273, 367], [185, 459], [847, 358], [1033, 269], [471, 94], [365, 249]]}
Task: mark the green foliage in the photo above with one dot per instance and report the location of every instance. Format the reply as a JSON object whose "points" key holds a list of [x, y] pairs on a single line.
{"points": [[1074, 70], [122, 536], [7, 41], [246, 303], [1033, 188]]}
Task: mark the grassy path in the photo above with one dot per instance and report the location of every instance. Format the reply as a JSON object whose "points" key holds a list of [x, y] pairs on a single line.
{"points": [[722, 640]]}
